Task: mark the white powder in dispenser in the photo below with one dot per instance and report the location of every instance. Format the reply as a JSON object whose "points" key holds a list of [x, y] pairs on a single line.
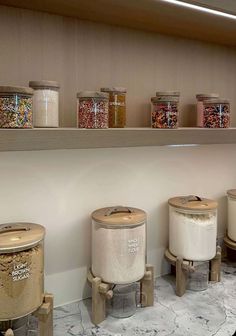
{"points": [[193, 236], [46, 108], [232, 218], [118, 255]]}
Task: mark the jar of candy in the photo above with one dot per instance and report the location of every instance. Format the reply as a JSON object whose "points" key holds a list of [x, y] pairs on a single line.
{"points": [[16, 107], [46, 103], [165, 110], [117, 106], [216, 113], [92, 109], [201, 97]]}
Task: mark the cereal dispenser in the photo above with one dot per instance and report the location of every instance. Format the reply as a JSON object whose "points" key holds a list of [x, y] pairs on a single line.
{"points": [[192, 239], [22, 279], [118, 255], [230, 238]]}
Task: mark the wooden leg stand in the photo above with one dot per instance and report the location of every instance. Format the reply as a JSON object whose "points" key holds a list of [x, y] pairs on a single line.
{"points": [[215, 266], [45, 316], [147, 287]]}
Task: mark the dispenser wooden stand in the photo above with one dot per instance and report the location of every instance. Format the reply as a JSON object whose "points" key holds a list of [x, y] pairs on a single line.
{"points": [[231, 248], [184, 266], [45, 317], [103, 291]]}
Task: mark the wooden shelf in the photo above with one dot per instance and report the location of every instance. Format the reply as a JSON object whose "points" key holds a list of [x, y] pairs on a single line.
{"points": [[72, 138], [151, 15]]}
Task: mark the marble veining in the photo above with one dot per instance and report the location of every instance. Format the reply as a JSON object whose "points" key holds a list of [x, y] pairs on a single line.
{"points": [[207, 313]]}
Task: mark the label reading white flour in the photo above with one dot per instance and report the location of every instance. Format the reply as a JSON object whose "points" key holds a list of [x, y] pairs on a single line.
{"points": [[133, 245], [20, 272]]}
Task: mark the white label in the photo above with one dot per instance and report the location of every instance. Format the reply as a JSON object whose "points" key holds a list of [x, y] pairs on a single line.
{"points": [[133, 245], [20, 272]]}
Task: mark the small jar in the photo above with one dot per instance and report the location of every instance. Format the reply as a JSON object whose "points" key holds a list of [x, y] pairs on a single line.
{"points": [[92, 109], [201, 97], [216, 113], [16, 107], [165, 110], [46, 103], [117, 106]]}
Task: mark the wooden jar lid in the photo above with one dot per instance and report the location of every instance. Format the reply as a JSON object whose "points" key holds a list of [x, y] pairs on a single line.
{"points": [[16, 89], [120, 216], [231, 193], [93, 94], [15, 237], [117, 89], [193, 203], [44, 84]]}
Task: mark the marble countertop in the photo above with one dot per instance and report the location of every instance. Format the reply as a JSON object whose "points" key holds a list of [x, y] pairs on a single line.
{"points": [[206, 313]]}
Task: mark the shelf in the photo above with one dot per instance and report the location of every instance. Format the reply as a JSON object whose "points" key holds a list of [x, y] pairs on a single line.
{"points": [[72, 138], [150, 15]]}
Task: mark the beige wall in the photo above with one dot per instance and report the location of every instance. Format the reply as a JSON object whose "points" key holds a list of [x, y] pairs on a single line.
{"points": [[83, 55], [60, 188]]}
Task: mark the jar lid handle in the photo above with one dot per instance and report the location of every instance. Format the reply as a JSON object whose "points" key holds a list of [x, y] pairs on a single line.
{"points": [[117, 209], [191, 198], [10, 228]]}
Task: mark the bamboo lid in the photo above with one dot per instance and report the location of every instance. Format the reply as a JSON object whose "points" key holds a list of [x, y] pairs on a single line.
{"points": [[216, 101], [205, 96], [43, 84], [15, 237], [119, 215], [168, 93], [192, 203], [114, 89], [93, 94], [165, 99], [231, 193], [16, 89]]}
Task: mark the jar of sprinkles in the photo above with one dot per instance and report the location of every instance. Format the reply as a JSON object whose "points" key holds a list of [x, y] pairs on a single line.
{"points": [[117, 106], [46, 103], [165, 109], [92, 109], [201, 97], [216, 113], [16, 107]]}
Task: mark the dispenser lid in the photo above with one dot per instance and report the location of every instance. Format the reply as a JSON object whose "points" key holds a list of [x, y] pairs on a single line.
{"points": [[16, 89], [193, 203], [43, 84], [15, 237], [119, 215], [232, 193]]}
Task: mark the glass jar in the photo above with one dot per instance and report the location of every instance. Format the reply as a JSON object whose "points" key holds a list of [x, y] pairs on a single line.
{"points": [[192, 228], [92, 109], [198, 280], [46, 103], [201, 97], [117, 106], [119, 244], [231, 230], [21, 269], [165, 110], [216, 113], [16, 107]]}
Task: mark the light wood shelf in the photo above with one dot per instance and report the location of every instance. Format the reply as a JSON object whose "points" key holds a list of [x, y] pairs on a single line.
{"points": [[150, 15], [72, 138]]}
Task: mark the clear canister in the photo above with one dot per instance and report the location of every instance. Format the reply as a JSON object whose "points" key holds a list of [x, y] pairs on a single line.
{"points": [[93, 109], [46, 103], [165, 110], [231, 230], [117, 106], [16, 107], [198, 280], [119, 244], [201, 97], [21, 269], [192, 227], [216, 113]]}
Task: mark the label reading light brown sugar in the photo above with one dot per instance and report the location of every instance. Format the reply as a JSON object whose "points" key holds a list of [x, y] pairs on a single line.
{"points": [[20, 271]]}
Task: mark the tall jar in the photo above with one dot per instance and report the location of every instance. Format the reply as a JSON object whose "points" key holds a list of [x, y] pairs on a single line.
{"points": [[16, 107], [201, 97], [46, 103], [92, 109], [231, 195], [165, 110], [117, 106], [21, 269], [216, 113], [119, 244], [192, 227]]}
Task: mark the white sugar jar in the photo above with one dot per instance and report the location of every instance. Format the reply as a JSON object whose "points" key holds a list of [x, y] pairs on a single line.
{"points": [[192, 227], [119, 244], [45, 103]]}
